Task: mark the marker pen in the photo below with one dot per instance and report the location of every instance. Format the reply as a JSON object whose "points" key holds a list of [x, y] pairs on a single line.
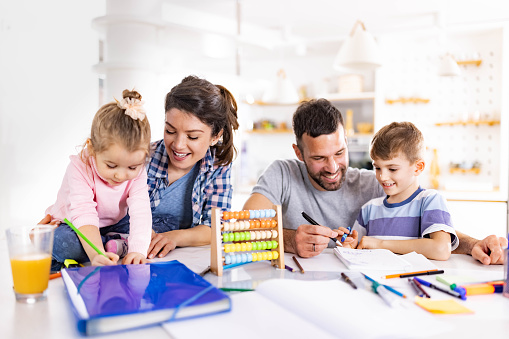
{"points": [[313, 222], [447, 291]]}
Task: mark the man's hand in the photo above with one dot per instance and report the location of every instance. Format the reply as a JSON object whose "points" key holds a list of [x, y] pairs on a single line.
{"points": [[311, 240], [489, 250]]}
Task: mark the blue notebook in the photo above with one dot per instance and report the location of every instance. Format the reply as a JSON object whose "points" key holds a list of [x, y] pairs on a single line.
{"points": [[114, 298]]}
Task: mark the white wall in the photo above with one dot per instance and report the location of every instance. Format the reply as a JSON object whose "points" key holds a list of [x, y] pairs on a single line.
{"points": [[48, 96]]}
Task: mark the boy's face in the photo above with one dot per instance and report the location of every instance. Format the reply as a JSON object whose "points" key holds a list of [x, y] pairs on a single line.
{"points": [[398, 177]]}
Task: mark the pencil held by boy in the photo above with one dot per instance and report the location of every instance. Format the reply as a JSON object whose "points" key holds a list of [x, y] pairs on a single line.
{"points": [[103, 183], [409, 218]]}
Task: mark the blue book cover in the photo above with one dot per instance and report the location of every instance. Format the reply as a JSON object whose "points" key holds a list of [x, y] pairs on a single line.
{"points": [[120, 297]]}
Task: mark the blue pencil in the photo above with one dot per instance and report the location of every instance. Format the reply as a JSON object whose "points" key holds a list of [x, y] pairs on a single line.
{"points": [[387, 287]]}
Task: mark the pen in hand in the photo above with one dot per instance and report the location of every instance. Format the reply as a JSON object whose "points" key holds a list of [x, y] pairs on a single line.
{"points": [[313, 222]]}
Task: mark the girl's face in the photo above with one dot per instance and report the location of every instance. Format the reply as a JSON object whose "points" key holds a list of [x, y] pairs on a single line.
{"points": [[186, 139], [116, 164]]}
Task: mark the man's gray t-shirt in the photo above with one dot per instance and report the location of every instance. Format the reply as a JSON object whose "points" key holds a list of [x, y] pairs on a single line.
{"points": [[286, 183]]}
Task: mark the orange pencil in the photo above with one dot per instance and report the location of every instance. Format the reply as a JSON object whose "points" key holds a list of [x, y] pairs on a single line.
{"points": [[55, 275], [413, 274]]}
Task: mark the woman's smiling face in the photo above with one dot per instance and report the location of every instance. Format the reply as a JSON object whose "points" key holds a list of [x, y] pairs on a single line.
{"points": [[186, 139]]}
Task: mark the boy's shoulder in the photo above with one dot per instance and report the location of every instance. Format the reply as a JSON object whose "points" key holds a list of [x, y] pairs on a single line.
{"points": [[375, 202]]}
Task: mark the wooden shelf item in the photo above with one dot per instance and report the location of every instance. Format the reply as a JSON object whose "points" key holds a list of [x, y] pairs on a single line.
{"points": [[454, 170], [410, 100], [470, 62], [464, 123]]}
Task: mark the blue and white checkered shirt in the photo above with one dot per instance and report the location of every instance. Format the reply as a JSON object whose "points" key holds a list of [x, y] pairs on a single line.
{"points": [[212, 187]]}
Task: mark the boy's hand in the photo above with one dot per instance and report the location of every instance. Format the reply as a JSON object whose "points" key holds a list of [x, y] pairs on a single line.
{"points": [[101, 260], [369, 243], [351, 240], [134, 258]]}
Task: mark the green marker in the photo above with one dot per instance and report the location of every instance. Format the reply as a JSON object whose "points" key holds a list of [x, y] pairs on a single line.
{"points": [[443, 281], [84, 238]]}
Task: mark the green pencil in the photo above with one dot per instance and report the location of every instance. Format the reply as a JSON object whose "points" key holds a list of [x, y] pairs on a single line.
{"points": [[84, 238], [228, 289]]}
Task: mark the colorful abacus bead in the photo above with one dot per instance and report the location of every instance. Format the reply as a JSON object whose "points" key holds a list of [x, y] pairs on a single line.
{"points": [[226, 215]]}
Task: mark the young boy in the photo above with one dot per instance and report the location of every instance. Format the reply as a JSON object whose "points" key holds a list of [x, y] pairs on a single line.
{"points": [[409, 218]]}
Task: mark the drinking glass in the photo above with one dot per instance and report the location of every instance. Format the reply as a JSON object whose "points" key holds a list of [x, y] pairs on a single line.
{"points": [[30, 255]]}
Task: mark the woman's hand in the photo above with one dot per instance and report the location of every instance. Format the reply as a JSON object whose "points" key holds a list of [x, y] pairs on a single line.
{"points": [[161, 245], [47, 221], [134, 258]]}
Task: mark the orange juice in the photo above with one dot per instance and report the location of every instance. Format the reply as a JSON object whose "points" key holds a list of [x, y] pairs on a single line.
{"points": [[30, 273]]}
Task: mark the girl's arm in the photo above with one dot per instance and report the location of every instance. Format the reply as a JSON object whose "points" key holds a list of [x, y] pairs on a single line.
{"points": [[437, 247], [92, 233], [140, 218]]}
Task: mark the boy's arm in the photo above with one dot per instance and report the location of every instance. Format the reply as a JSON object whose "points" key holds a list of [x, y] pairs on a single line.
{"points": [[437, 247]]}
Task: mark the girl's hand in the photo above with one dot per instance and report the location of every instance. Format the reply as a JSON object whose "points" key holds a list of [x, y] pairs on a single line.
{"points": [[161, 244], [101, 260], [134, 258]]}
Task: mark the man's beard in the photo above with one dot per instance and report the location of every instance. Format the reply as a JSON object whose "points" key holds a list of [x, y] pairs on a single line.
{"points": [[325, 185]]}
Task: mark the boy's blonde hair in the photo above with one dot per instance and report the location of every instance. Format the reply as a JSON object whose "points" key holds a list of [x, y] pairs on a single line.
{"points": [[396, 138], [112, 125]]}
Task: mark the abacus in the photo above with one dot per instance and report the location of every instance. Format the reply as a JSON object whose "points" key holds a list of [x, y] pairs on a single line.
{"points": [[255, 234]]}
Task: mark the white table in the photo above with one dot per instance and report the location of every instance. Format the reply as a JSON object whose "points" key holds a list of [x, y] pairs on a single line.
{"points": [[53, 318]]}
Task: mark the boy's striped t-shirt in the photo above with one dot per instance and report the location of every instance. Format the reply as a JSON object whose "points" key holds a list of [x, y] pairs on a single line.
{"points": [[422, 213]]}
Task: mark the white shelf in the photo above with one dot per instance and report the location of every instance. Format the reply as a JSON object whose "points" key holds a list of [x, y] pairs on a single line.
{"points": [[349, 96], [484, 196]]}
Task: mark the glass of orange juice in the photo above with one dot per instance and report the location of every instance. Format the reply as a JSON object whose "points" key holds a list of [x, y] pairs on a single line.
{"points": [[30, 254]]}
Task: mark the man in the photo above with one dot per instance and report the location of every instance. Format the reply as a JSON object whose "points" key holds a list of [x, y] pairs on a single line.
{"points": [[321, 184]]}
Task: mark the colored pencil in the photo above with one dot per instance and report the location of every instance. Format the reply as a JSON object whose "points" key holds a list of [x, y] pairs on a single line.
{"points": [[84, 238], [413, 274], [298, 264]]}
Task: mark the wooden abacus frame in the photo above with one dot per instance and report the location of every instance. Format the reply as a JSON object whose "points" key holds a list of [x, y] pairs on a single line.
{"points": [[217, 253]]}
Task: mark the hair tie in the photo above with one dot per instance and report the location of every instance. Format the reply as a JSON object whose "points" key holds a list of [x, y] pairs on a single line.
{"points": [[133, 108]]}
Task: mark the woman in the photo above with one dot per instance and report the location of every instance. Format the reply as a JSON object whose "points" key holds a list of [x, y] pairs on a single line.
{"points": [[190, 168]]}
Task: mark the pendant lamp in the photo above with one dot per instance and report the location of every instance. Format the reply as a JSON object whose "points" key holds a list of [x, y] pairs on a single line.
{"points": [[359, 51]]}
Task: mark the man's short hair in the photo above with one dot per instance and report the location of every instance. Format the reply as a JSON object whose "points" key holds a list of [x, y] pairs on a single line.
{"points": [[396, 138], [316, 117]]}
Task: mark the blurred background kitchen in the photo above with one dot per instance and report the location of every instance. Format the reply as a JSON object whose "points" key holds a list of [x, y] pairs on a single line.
{"points": [[442, 65]]}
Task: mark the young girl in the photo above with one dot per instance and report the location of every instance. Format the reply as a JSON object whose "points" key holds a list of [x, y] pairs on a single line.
{"points": [[105, 181]]}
